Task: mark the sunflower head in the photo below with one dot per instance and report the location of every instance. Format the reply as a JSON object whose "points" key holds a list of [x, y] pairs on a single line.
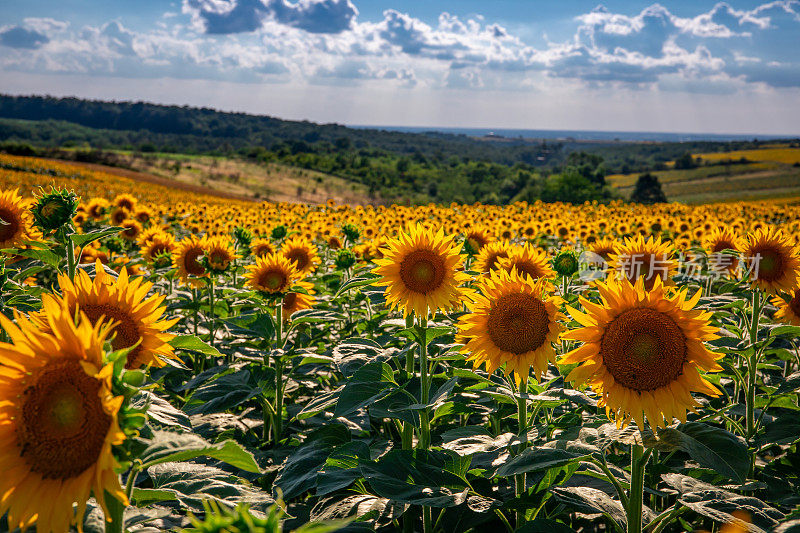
{"points": [[344, 259], [242, 236], [649, 259], [297, 301], [643, 351], [717, 242], [261, 247], [97, 208], [125, 201], [278, 232], [131, 229], [54, 209], [60, 420], [772, 261], [788, 308], [16, 221], [351, 232], [272, 274], [528, 261], [565, 263], [489, 257], [219, 254], [422, 272], [513, 322], [302, 253]]}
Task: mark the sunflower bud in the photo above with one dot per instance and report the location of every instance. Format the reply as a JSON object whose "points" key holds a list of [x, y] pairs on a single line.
{"points": [[345, 259], [566, 263], [351, 232], [54, 209], [279, 232]]}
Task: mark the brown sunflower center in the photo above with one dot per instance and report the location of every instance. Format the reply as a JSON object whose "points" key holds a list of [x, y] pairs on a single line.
{"points": [[529, 268], [493, 259], [722, 245], [643, 349], [299, 257], [126, 332], [422, 271], [518, 323], [274, 280], [191, 264], [10, 225], [219, 259], [62, 426], [769, 263], [289, 300]]}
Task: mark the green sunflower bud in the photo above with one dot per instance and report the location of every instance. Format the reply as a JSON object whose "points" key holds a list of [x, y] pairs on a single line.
{"points": [[565, 263], [54, 209], [345, 259]]}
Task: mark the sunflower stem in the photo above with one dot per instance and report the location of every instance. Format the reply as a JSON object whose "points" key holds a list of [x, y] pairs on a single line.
{"points": [[116, 514], [67, 238], [425, 430], [278, 421], [212, 315], [750, 396], [522, 417], [633, 510], [408, 427]]}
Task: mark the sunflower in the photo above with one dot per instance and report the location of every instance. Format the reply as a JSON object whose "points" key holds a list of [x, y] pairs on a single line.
{"points": [[475, 239], [772, 261], [529, 261], [136, 318], [513, 322], [788, 308], [302, 253], [219, 254], [421, 272], [490, 255], [186, 259], [649, 259], [159, 248], [272, 273], [718, 240], [125, 201], [119, 215], [643, 351], [132, 230], [297, 301], [603, 247], [97, 208], [16, 222], [261, 247], [58, 421]]}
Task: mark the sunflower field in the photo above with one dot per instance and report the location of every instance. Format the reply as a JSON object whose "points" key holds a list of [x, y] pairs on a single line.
{"points": [[171, 361]]}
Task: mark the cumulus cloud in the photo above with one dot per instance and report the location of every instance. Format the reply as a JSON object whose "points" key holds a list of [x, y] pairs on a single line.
{"points": [[241, 16], [323, 41], [19, 37]]}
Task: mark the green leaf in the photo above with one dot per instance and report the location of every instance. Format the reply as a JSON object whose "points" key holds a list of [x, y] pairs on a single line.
{"points": [[419, 477], [194, 344], [789, 331], [790, 384], [370, 383], [225, 392], [161, 411], [711, 447], [143, 497], [167, 446], [360, 281], [45, 256], [341, 467], [537, 459], [82, 239]]}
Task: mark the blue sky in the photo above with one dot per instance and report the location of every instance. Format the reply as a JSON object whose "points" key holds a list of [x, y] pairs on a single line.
{"points": [[683, 66]]}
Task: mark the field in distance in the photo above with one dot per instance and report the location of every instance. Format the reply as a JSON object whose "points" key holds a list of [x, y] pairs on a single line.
{"points": [[270, 181], [764, 173]]}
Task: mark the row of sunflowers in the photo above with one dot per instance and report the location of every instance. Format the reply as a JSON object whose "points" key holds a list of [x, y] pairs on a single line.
{"points": [[181, 364]]}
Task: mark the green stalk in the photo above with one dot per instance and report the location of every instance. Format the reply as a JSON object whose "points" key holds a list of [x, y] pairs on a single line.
{"points": [[633, 510], [408, 427], [278, 422], [522, 418], [211, 310], [750, 397], [425, 430], [70, 255], [116, 514]]}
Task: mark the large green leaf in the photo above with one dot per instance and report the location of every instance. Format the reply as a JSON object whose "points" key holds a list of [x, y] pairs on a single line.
{"points": [[341, 467], [537, 459], [82, 239], [711, 447], [419, 477], [368, 384], [168, 446], [194, 344], [223, 393]]}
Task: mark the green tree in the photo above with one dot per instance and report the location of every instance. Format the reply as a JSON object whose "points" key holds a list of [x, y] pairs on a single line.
{"points": [[648, 190]]}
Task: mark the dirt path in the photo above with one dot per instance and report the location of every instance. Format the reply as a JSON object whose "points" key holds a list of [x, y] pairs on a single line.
{"points": [[158, 180]]}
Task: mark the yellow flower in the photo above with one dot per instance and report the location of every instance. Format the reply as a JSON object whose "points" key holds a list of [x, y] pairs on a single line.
{"points": [[722, 239], [788, 308], [272, 273], [649, 259], [297, 301], [58, 421], [772, 261], [529, 261], [261, 247], [123, 302], [643, 351], [186, 260], [490, 255], [302, 253], [513, 322], [421, 272], [16, 222], [220, 254]]}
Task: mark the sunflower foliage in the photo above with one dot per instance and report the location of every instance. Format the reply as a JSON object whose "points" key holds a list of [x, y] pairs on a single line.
{"points": [[432, 373]]}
